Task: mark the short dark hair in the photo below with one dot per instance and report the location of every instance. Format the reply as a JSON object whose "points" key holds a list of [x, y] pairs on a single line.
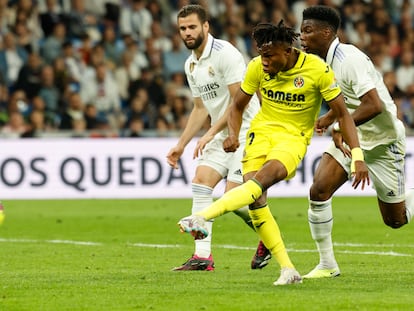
{"points": [[194, 9], [324, 14], [265, 33]]}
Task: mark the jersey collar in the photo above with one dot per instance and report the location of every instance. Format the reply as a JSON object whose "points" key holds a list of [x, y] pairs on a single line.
{"points": [[331, 51], [206, 51]]}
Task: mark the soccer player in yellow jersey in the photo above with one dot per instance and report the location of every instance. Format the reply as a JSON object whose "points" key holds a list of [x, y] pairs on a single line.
{"points": [[292, 86]]}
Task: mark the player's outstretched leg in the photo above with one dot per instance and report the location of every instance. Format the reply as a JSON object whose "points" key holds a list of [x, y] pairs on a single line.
{"points": [[195, 225]]}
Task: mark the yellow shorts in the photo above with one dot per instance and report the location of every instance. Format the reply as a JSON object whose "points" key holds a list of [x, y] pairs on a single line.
{"points": [[263, 144]]}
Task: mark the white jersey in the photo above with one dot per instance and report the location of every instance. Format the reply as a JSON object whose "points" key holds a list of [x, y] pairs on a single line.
{"points": [[220, 65], [356, 75]]}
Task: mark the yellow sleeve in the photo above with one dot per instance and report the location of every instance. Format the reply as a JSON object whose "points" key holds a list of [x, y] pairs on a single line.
{"points": [[328, 85], [251, 81]]}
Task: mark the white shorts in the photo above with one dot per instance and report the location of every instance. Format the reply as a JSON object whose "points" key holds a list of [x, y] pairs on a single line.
{"points": [[386, 169], [227, 164]]}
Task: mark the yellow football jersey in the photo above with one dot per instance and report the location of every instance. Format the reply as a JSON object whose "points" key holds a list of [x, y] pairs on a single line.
{"points": [[291, 100]]}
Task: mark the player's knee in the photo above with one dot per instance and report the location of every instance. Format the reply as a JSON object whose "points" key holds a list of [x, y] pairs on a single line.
{"points": [[317, 193]]}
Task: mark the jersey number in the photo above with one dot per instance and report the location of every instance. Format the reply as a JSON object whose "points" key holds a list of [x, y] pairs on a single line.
{"points": [[251, 136]]}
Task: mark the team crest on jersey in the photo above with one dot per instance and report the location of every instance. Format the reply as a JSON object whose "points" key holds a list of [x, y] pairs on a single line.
{"points": [[298, 82], [211, 71]]}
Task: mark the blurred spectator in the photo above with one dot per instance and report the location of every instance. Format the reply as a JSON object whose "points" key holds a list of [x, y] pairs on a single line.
{"points": [[179, 109], [6, 13], [139, 60], [25, 38], [26, 11], [135, 127], [62, 76], [393, 43], [52, 45], [178, 86], [80, 22], [78, 127], [50, 93], [173, 60], [405, 71], [73, 64], [50, 17], [85, 49], [159, 39], [232, 33], [165, 113], [15, 126], [125, 74], [112, 12], [18, 102], [153, 85], [154, 56], [91, 117], [38, 104], [112, 46], [102, 91], [36, 125], [12, 59], [163, 127], [29, 78], [139, 107], [73, 112], [136, 20], [358, 35]]}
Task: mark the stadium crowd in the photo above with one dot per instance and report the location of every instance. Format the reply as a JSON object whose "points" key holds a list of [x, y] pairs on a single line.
{"points": [[115, 68]]}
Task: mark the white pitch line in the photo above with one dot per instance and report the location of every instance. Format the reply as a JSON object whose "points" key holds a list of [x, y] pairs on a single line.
{"points": [[373, 245], [50, 241], [227, 246]]}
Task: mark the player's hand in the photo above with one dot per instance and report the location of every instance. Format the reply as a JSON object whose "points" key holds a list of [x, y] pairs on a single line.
{"points": [[339, 143], [201, 144], [360, 175], [322, 124], [173, 156], [231, 143]]}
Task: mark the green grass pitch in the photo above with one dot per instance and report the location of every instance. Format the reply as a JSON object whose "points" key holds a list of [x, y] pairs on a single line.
{"points": [[117, 255]]}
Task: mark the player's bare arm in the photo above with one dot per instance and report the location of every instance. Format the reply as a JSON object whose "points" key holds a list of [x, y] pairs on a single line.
{"points": [[219, 125], [323, 122], [349, 133], [369, 108], [234, 121], [197, 118]]}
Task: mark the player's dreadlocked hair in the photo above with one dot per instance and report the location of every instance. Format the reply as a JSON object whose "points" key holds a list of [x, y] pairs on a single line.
{"points": [[267, 33], [194, 9], [324, 14]]}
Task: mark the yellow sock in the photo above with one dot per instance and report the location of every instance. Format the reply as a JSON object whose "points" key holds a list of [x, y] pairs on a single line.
{"points": [[269, 233], [232, 200]]}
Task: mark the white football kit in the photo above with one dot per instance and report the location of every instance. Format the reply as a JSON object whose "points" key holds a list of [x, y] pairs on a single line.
{"points": [[382, 138], [220, 65]]}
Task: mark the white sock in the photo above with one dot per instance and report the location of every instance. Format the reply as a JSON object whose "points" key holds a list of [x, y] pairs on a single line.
{"points": [[409, 204], [202, 198], [320, 222]]}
